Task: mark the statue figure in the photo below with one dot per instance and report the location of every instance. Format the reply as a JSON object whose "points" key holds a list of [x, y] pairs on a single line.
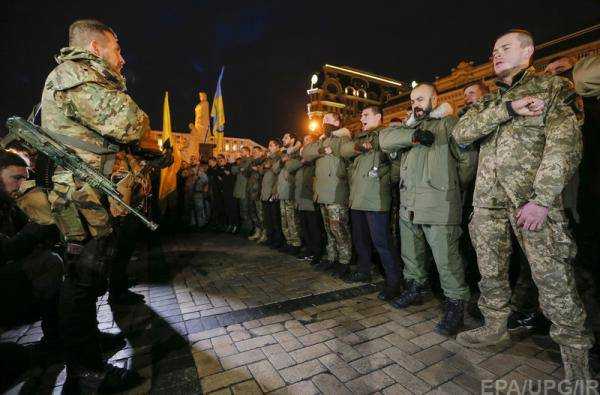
{"points": [[201, 122]]}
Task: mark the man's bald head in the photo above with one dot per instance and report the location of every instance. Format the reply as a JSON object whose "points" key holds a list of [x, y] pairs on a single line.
{"points": [[423, 99], [83, 31]]}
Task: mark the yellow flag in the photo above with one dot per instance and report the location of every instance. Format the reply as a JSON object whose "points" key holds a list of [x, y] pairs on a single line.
{"points": [[217, 114], [168, 175]]}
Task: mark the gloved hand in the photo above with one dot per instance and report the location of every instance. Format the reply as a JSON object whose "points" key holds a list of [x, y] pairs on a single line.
{"points": [[423, 137]]}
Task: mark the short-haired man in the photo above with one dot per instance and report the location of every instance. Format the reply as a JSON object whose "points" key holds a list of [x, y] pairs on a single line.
{"points": [[331, 191], [434, 171], [30, 273], [255, 207], [84, 102], [290, 222], [530, 148], [268, 195], [370, 200], [239, 190]]}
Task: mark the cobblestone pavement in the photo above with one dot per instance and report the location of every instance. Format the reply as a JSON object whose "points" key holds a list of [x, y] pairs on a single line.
{"points": [[225, 316]]}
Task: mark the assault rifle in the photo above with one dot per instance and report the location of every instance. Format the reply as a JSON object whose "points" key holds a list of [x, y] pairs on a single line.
{"points": [[37, 138]]}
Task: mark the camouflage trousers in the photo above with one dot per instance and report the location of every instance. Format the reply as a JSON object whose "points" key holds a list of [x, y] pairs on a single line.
{"points": [[68, 200], [290, 223], [336, 219], [255, 213], [549, 251]]}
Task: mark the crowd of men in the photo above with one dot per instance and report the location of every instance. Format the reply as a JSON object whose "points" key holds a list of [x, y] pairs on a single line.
{"points": [[340, 200]]}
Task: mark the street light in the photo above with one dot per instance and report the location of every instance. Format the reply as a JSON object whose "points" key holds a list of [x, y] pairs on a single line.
{"points": [[313, 125], [313, 80]]}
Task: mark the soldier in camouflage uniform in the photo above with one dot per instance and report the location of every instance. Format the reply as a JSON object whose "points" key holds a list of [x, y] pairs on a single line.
{"points": [[268, 195], [290, 223], [530, 148], [85, 104], [331, 192], [255, 209]]}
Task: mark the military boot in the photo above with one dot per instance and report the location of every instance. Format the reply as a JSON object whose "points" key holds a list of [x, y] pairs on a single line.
{"points": [[453, 317], [493, 332], [577, 365], [256, 235], [414, 295], [263, 237]]}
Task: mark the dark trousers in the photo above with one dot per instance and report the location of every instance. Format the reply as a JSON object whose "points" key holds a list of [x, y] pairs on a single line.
{"points": [[29, 291], [128, 230], [374, 227], [232, 211], [84, 282], [312, 231], [273, 221]]}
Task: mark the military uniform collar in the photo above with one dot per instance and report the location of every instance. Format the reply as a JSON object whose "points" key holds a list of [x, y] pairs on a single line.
{"points": [[521, 76], [96, 62]]}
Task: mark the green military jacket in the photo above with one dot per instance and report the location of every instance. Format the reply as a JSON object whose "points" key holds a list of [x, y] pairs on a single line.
{"points": [[254, 177], [285, 176], [304, 174], [331, 176], [84, 102], [523, 158], [270, 169], [586, 75], [239, 189], [369, 173], [431, 178]]}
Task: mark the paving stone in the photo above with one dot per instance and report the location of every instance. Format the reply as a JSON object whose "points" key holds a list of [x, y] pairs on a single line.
{"points": [[402, 343], [256, 342], [193, 337], [467, 353], [287, 341], [329, 384], [221, 340], [251, 324], [370, 363], [224, 350], [225, 379], [468, 383], [235, 328], [403, 359], [407, 379], [207, 363], [432, 355], [429, 339], [396, 389], [243, 358], [375, 320], [370, 383], [345, 351], [372, 346], [249, 387], [448, 388], [316, 337], [500, 364], [267, 329], [266, 376], [304, 387], [374, 332], [215, 311], [308, 353], [338, 367], [237, 336], [302, 371], [275, 319], [438, 373]]}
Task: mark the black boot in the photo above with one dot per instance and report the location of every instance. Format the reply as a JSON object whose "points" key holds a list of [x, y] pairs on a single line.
{"points": [[453, 318], [126, 297], [357, 277], [527, 322], [389, 293], [325, 265], [109, 380], [414, 295]]}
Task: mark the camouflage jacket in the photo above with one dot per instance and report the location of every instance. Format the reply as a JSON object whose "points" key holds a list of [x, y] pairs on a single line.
{"points": [[85, 103], [253, 185], [586, 75], [270, 169], [239, 190], [523, 159]]}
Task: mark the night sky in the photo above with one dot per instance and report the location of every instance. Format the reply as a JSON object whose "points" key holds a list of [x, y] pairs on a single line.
{"points": [[269, 49]]}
